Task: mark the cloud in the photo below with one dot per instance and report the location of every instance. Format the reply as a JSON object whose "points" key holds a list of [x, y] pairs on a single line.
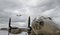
{"points": [[10, 8]]}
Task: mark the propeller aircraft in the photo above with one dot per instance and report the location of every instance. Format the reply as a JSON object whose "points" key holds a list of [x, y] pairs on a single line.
{"points": [[40, 26]]}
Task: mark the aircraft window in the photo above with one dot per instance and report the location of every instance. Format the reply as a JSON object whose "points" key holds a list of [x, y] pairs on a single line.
{"points": [[41, 23], [49, 18], [37, 21], [44, 18]]}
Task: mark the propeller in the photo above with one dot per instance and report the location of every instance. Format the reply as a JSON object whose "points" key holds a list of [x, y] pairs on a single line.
{"points": [[29, 22], [29, 31], [9, 30]]}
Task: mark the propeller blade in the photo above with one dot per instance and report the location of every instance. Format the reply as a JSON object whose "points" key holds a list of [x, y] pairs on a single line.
{"points": [[29, 31], [29, 22], [9, 30], [9, 22]]}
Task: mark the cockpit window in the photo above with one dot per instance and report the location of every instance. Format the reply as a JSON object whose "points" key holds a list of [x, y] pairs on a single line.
{"points": [[49, 18], [41, 23]]}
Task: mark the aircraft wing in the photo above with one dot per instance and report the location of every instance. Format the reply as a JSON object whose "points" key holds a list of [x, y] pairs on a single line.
{"points": [[22, 29], [6, 29]]}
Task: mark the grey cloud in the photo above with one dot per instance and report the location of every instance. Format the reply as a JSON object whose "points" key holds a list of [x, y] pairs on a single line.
{"points": [[35, 7], [44, 7], [11, 5]]}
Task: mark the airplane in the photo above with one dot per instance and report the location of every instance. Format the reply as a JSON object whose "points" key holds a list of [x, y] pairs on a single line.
{"points": [[18, 15], [16, 30], [40, 26]]}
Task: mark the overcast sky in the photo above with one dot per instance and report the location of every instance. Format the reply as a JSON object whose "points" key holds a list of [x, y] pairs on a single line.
{"points": [[10, 8]]}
